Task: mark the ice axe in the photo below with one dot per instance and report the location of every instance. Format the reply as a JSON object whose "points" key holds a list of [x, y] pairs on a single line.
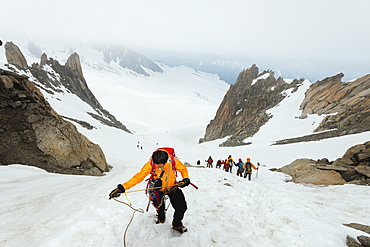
{"points": [[258, 167]]}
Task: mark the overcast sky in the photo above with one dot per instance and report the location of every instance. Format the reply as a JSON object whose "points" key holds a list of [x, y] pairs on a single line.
{"points": [[322, 37]]}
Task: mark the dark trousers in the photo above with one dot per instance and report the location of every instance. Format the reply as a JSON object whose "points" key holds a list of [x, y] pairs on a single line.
{"points": [[178, 202], [239, 173], [249, 175]]}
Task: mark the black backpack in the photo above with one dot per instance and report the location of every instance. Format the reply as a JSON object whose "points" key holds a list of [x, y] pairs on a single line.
{"points": [[248, 167]]}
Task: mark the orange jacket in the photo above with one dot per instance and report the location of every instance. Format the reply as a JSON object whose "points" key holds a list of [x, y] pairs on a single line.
{"points": [[168, 177], [253, 166], [229, 160]]}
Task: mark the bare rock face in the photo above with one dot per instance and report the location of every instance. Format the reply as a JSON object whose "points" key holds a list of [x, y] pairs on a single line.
{"points": [[15, 56], [73, 62], [347, 102], [357, 161], [362, 240], [353, 167], [243, 110], [351, 242], [32, 133], [69, 76], [303, 171]]}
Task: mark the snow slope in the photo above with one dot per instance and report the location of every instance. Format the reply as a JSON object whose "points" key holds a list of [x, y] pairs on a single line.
{"points": [[172, 109]]}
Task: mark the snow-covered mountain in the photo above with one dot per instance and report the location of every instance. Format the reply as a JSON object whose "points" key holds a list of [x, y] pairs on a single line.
{"points": [[227, 69], [172, 108]]}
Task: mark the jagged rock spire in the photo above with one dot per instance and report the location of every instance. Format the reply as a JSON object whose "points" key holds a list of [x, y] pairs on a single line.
{"points": [[14, 56], [74, 63]]}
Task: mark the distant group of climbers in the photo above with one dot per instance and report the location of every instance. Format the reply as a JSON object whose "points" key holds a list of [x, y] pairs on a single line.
{"points": [[243, 169]]}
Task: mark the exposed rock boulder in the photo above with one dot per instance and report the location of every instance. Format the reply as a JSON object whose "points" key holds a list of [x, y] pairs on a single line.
{"points": [[353, 167], [32, 133], [357, 161], [242, 112], [363, 241], [351, 242], [303, 171], [360, 227]]}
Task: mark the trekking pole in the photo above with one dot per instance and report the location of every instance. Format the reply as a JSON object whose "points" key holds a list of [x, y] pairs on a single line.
{"points": [[258, 167]]}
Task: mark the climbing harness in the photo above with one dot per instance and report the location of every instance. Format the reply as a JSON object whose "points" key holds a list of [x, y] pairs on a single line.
{"points": [[140, 210]]}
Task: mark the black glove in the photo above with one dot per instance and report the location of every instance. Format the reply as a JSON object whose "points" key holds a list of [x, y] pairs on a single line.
{"points": [[117, 192], [184, 182]]}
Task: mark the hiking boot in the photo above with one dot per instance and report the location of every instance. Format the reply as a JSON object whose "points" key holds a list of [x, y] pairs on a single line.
{"points": [[160, 221], [180, 229]]}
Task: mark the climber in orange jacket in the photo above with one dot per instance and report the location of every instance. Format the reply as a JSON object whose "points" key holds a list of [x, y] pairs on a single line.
{"points": [[163, 167], [248, 169]]}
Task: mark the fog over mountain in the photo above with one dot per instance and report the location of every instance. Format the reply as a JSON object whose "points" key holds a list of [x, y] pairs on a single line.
{"points": [[172, 108], [311, 39]]}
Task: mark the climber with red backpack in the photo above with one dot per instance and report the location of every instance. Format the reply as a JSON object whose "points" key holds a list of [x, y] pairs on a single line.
{"points": [[162, 168], [209, 162]]}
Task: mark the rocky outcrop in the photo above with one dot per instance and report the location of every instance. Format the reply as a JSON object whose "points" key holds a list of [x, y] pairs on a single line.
{"points": [[303, 171], [348, 102], [69, 76], [347, 105], [353, 167], [357, 161], [243, 110], [73, 62], [363, 241], [32, 133], [14, 56]]}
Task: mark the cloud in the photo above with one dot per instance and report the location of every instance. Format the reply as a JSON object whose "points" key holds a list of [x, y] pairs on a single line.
{"points": [[286, 32]]}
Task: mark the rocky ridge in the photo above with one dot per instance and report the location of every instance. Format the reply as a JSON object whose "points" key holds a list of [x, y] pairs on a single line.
{"points": [[242, 112], [56, 76], [127, 59], [32, 133], [346, 104]]}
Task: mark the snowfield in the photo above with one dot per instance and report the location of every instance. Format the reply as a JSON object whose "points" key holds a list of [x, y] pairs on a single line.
{"points": [[173, 109]]}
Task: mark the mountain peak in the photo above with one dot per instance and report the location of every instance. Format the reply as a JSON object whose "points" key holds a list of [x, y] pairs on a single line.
{"points": [[128, 59], [73, 62], [243, 109], [15, 56]]}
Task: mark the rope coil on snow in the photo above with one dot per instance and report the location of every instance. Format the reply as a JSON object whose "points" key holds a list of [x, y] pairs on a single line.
{"points": [[132, 217], [175, 186]]}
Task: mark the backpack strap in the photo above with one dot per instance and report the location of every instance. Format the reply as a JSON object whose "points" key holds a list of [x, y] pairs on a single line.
{"points": [[171, 155], [173, 164]]}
